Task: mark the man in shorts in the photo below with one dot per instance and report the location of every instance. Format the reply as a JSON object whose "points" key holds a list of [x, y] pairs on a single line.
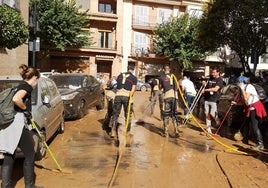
{"points": [[212, 96]]}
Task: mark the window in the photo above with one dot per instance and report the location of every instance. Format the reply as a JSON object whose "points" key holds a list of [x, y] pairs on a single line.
{"points": [[163, 15], [52, 88], [104, 39], [140, 42], [83, 3], [105, 7], [142, 15], [10, 3], [195, 11], [44, 89]]}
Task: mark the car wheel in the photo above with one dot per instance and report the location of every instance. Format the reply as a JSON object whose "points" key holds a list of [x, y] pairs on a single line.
{"points": [[80, 109], [40, 148], [143, 88], [102, 104], [62, 125]]}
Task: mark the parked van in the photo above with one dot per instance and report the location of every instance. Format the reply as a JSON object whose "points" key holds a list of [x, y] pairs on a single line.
{"points": [[47, 109]]}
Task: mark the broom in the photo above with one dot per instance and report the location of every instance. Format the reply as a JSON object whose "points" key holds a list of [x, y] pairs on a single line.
{"points": [[238, 135], [48, 149]]}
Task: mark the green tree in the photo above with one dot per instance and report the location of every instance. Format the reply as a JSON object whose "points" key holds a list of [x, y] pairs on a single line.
{"points": [[61, 24], [240, 24], [13, 30], [177, 40]]}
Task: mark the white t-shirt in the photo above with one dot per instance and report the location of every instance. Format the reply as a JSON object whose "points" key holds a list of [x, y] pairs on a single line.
{"points": [[188, 86], [249, 88]]}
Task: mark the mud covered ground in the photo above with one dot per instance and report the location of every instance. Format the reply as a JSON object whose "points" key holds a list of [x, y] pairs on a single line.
{"points": [[192, 160]]}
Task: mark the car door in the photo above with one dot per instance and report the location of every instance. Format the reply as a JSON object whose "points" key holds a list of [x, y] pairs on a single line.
{"points": [[56, 106], [45, 113], [94, 86]]}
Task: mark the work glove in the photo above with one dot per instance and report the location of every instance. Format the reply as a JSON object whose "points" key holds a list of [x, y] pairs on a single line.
{"points": [[233, 103], [27, 114]]}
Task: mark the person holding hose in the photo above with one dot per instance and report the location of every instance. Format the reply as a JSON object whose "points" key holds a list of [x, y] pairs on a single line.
{"points": [[170, 100], [255, 110], [19, 133], [126, 86], [211, 97]]}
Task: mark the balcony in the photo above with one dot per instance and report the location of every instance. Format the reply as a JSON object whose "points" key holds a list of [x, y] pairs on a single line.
{"points": [[143, 25], [166, 2], [102, 16], [142, 52]]}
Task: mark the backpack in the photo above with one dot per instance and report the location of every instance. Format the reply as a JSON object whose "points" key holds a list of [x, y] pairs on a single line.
{"points": [[7, 111], [261, 94]]}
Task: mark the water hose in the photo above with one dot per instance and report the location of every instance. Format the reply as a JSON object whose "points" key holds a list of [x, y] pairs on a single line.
{"points": [[120, 154], [195, 119]]}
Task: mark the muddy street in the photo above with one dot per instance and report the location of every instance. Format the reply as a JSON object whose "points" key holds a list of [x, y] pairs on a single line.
{"points": [[192, 160]]}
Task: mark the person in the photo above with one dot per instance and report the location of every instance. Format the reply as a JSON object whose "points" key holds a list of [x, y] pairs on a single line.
{"points": [[156, 94], [255, 110], [189, 91], [110, 95], [19, 134], [170, 100], [126, 86], [211, 97]]}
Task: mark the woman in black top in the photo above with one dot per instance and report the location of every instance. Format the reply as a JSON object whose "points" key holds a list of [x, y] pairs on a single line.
{"points": [[19, 134]]}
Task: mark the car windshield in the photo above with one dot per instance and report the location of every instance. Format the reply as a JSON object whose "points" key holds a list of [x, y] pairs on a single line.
{"points": [[72, 82]]}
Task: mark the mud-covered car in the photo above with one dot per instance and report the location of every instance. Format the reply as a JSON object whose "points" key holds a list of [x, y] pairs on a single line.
{"points": [[47, 110], [79, 92], [143, 86]]}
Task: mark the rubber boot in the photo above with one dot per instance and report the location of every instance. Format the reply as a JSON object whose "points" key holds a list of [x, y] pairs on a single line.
{"points": [[128, 137], [259, 140], [28, 172], [114, 132], [6, 176], [208, 123], [175, 123], [166, 125]]}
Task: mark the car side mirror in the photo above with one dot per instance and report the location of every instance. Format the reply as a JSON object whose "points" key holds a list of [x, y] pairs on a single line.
{"points": [[46, 99]]}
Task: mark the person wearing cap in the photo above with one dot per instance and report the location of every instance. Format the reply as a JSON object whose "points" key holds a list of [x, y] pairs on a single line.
{"points": [[255, 110], [126, 86], [170, 100], [211, 97]]}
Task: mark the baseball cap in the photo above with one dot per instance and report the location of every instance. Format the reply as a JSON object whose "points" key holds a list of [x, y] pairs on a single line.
{"points": [[242, 79]]}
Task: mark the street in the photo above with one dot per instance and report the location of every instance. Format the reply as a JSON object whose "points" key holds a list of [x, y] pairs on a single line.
{"points": [[88, 157]]}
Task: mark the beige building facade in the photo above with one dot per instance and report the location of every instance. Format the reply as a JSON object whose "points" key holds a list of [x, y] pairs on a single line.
{"points": [[122, 33]]}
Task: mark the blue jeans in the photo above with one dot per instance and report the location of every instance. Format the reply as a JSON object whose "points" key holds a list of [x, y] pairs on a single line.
{"points": [[189, 99]]}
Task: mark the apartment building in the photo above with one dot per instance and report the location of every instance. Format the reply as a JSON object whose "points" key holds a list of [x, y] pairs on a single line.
{"points": [[138, 32], [122, 31], [105, 55], [122, 34]]}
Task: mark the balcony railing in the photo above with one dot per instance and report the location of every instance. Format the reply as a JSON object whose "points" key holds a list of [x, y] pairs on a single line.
{"points": [[142, 52], [144, 24]]}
